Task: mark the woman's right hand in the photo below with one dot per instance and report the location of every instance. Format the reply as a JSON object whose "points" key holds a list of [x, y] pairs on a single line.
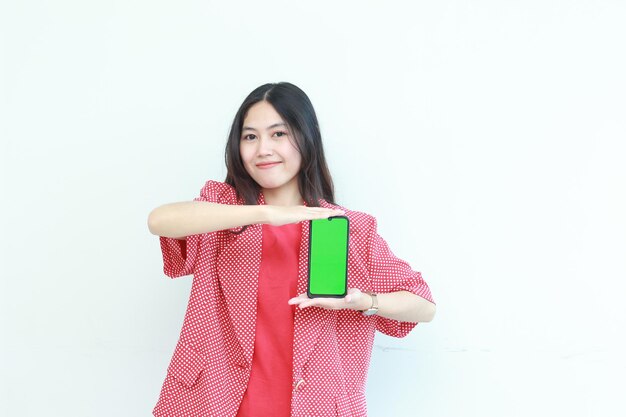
{"points": [[280, 215]]}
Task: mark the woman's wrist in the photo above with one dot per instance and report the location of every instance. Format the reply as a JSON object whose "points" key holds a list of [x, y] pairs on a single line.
{"points": [[263, 213], [365, 303]]}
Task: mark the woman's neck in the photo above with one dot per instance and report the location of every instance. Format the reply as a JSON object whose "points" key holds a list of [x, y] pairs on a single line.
{"points": [[282, 197]]}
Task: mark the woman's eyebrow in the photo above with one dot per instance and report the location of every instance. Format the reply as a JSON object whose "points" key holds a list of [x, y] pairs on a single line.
{"points": [[268, 128]]}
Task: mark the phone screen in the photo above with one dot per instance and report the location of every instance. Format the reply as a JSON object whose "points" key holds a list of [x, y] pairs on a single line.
{"points": [[328, 257]]}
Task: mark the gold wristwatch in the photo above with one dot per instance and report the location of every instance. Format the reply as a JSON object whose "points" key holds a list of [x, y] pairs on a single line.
{"points": [[374, 308]]}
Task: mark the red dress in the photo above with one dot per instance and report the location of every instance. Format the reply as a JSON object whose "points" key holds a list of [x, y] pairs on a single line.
{"points": [[269, 389]]}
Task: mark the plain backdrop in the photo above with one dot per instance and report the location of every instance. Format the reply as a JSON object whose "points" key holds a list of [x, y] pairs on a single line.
{"points": [[487, 137]]}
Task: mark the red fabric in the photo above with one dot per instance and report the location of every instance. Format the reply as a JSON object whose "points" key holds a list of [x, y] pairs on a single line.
{"points": [[211, 363], [269, 388]]}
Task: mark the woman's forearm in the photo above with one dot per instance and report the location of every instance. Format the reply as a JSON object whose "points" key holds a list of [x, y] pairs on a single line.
{"points": [[194, 217], [404, 306]]}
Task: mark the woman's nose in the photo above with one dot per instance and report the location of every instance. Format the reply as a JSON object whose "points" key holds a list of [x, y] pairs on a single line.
{"points": [[265, 147]]}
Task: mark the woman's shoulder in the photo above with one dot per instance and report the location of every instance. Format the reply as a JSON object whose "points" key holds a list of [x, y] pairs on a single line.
{"points": [[219, 192]]}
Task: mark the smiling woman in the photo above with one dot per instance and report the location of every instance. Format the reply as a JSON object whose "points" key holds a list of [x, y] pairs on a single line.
{"points": [[271, 156], [253, 343]]}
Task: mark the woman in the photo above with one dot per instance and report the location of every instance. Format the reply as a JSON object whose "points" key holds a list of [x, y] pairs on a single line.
{"points": [[252, 342]]}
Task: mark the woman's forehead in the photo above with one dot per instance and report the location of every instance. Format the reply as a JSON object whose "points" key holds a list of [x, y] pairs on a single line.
{"points": [[262, 115]]}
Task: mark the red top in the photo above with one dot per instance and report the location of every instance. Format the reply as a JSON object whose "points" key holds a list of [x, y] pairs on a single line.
{"points": [[270, 385]]}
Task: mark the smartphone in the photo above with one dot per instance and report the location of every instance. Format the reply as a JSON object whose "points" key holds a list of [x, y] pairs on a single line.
{"points": [[328, 257]]}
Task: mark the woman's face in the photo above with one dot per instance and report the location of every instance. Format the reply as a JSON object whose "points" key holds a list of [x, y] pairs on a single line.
{"points": [[267, 149]]}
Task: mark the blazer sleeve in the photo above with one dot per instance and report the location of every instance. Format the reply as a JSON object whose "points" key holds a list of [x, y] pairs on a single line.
{"points": [[389, 274], [179, 256]]}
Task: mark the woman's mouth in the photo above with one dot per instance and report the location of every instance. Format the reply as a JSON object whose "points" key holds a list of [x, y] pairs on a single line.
{"points": [[267, 165]]}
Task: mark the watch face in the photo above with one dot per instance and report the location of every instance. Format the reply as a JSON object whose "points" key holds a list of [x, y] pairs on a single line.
{"points": [[370, 312]]}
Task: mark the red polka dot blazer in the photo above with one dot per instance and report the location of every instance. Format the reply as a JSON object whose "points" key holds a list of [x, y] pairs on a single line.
{"points": [[210, 366]]}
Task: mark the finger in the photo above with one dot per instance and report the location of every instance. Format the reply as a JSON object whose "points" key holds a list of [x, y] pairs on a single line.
{"points": [[326, 304], [324, 214], [306, 304], [317, 302], [298, 299], [326, 211]]}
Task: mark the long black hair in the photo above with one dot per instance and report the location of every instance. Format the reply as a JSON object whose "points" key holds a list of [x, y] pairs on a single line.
{"points": [[295, 108]]}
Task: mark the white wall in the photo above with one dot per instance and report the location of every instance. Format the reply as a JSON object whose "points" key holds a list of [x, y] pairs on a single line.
{"points": [[493, 129]]}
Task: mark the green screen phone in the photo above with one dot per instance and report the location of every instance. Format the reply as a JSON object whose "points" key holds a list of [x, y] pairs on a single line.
{"points": [[328, 257]]}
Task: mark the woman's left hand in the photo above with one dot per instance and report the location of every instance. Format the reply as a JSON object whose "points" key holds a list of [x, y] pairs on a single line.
{"points": [[354, 300]]}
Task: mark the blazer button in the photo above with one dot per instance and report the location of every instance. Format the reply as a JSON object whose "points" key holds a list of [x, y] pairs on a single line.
{"points": [[300, 385]]}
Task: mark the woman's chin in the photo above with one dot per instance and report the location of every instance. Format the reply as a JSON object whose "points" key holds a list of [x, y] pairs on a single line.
{"points": [[269, 184]]}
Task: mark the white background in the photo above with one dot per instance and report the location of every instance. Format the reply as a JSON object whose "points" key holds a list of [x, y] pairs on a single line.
{"points": [[487, 137]]}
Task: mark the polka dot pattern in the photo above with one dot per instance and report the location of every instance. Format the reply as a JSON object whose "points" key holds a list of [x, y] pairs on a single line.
{"points": [[210, 366]]}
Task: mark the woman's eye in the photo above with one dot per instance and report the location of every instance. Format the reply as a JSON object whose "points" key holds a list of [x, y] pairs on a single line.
{"points": [[253, 137]]}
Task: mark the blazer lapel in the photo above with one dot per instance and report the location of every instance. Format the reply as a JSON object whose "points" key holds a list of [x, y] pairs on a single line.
{"points": [[239, 268], [240, 283]]}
